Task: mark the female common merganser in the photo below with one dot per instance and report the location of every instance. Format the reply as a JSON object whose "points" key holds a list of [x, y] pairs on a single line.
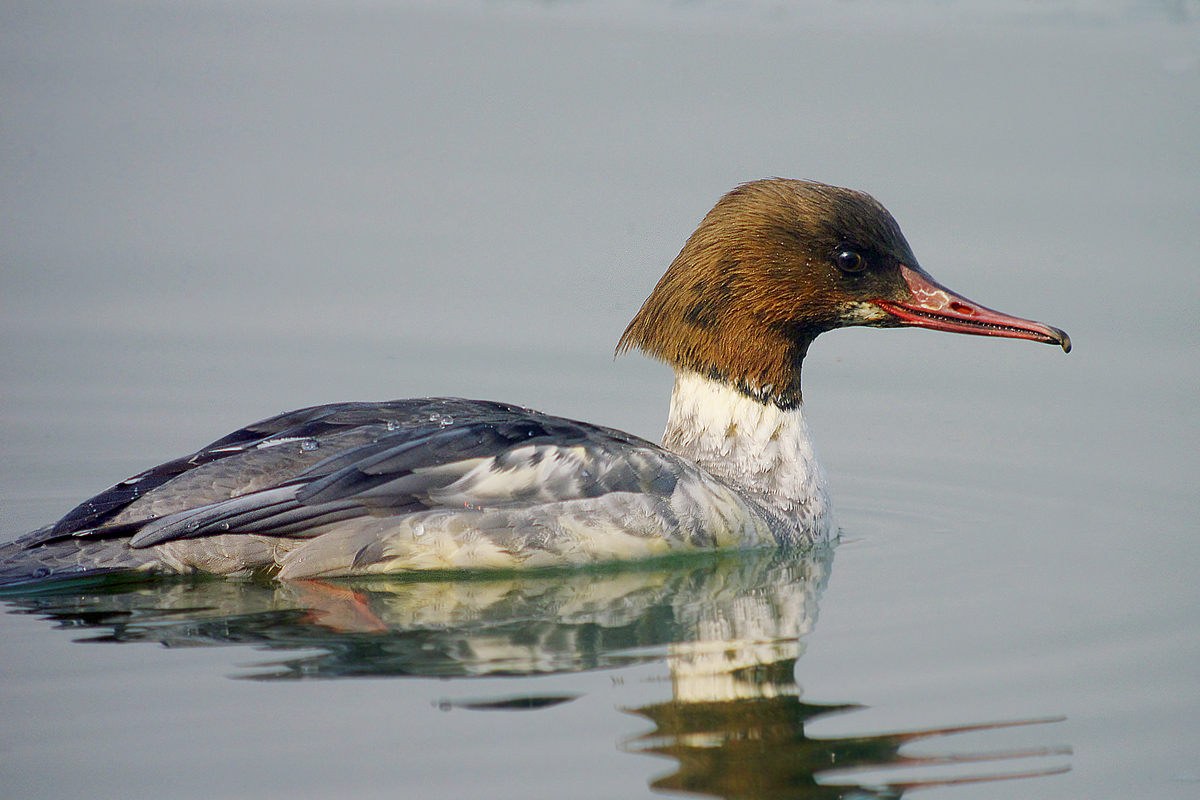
{"points": [[446, 483]]}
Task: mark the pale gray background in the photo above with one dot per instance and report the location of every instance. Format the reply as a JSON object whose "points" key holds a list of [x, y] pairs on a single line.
{"points": [[213, 212]]}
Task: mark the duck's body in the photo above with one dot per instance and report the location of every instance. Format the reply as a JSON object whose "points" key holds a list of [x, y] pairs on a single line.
{"points": [[446, 483], [368, 488]]}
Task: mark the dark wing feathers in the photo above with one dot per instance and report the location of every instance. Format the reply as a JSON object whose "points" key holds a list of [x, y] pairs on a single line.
{"points": [[272, 512], [303, 423], [88, 516], [359, 471], [317, 424], [348, 460]]}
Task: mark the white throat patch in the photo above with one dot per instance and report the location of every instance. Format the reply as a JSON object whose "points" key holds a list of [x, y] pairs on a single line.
{"points": [[763, 451]]}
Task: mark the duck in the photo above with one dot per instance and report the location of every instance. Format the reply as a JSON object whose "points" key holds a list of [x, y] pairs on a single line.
{"points": [[359, 489]]}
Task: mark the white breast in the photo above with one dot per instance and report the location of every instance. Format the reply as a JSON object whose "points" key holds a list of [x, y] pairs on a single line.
{"points": [[763, 451]]}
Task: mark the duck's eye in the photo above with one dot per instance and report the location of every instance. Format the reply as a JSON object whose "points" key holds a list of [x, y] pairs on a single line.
{"points": [[848, 260]]}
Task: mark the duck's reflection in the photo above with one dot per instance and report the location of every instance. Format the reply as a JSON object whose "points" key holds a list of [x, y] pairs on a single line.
{"points": [[729, 629], [756, 747]]}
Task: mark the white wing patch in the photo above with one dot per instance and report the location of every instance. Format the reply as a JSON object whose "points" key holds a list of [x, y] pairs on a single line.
{"points": [[524, 475]]}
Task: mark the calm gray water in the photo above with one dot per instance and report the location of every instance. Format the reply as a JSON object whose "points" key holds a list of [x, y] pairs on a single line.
{"points": [[215, 212]]}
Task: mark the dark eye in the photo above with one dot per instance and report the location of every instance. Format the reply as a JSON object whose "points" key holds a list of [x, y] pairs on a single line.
{"points": [[848, 260]]}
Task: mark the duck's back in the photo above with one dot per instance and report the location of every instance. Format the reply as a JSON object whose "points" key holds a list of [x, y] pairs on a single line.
{"points": [[356, 488]]}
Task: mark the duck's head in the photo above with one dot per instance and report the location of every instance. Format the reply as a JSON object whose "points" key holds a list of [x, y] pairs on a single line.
{"points": [[778, 262]]}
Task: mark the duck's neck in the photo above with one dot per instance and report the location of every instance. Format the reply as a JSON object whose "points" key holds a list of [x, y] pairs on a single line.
{"points": [[760, 449]]}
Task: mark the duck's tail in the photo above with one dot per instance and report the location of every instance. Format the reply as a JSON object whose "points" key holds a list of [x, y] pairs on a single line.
{"points": [[44, 558]]}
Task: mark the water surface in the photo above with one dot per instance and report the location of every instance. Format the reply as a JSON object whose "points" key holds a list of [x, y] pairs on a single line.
{"points": [[214, 214]]}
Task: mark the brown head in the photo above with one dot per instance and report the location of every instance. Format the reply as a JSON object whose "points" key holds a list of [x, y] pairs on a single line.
{"points": [[778, 262]]}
